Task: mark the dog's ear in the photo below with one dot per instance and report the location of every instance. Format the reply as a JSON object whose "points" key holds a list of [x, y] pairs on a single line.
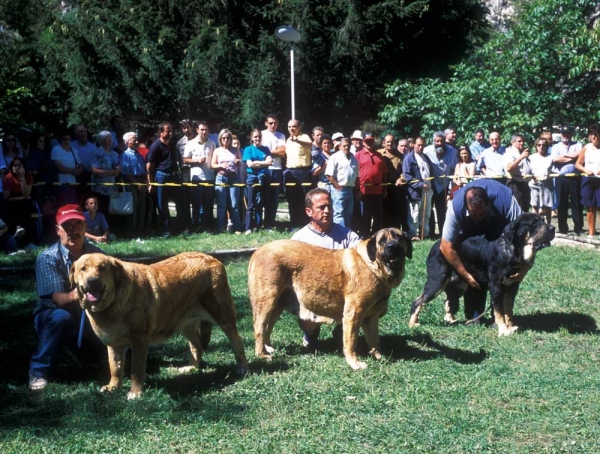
{"points": [[372, 248], [408, 246]]}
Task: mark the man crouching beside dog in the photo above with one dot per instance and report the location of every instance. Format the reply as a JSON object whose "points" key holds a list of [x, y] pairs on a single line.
{"points": [[487, 243], [322, 231], [57, 313], [350, 285]]}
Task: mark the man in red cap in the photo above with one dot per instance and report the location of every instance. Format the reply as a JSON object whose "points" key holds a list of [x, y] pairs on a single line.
{"points": [[57, 314]]}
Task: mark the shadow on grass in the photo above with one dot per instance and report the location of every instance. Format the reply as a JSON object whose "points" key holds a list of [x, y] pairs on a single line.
{"points": [[573, 322], [416, 347]]}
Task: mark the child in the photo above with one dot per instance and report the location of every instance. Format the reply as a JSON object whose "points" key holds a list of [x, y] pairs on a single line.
{"points": [[96, 227]]}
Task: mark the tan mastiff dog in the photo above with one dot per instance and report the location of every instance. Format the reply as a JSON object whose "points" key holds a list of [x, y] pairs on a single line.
{"points": [[136, 305], [351, 286]]}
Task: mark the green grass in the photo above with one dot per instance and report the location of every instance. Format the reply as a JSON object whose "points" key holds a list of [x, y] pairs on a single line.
{"points": [[439, 389]]}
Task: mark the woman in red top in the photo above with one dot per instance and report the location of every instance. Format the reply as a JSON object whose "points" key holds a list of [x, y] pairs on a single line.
{"points": [[17, 192]]}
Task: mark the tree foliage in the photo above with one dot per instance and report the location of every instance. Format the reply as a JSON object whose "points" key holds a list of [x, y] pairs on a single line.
{"points": [[220, 59], [542, 72]]}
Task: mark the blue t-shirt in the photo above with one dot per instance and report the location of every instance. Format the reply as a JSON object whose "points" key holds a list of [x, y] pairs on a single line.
{"points": [[253, 153], [96, 226]]}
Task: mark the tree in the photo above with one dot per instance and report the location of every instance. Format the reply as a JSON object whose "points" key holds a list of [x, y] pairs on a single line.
{"points": [[220, 59], [523, 80]]}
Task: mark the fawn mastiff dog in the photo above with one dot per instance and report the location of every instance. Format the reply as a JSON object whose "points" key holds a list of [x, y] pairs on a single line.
{"points": [[320, 285], [493, 265], [136, 305]]}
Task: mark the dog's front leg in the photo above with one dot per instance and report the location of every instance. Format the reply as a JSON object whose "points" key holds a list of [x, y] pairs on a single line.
{"points": [[116, 362], [139, 356], [371, 330], [351, 322], [508, 302]]}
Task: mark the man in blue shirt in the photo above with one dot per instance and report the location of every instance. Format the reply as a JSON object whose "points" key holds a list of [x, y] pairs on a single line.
{"points": [[57, 313], [482, 207]]}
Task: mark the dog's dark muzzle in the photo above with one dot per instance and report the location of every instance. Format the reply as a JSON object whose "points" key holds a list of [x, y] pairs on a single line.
{"points": [[546, 239]]}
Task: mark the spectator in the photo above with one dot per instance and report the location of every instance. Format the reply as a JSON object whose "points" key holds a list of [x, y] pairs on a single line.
{"points": [[188, 128], [133, 171], [372, 175], [342, 172], [57, 313], [478, 146], [337, 139], [416, 168], [96, 227], [320, 157], [257, 159], [8, 243], [69, 168], [106, 167], [17, 192], [450, 140], [85, 151], [464, 170], [491, 161], [568, 183], [226, 162], [517, 167], [297, 177], [10, 149], [317, 134], [542, 187], [198, 154], [588, 163], [161, 164], [275, 142], [395, 205], [357, 142], [443, 160]]}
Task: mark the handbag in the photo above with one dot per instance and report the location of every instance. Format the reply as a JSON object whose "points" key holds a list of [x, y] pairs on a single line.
{"points": [[121, 203]]}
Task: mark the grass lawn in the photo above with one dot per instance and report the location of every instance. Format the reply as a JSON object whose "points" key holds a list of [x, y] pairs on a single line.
{"points": [[440, 389]]}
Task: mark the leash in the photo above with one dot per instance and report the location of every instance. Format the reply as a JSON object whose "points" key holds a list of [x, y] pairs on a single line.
{"points": [[81, 325]]}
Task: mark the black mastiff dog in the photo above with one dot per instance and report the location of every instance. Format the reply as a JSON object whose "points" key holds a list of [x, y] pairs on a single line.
{"points": [[498, 265]]}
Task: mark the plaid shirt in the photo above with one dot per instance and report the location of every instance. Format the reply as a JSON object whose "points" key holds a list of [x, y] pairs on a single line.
{"points": [[52, 273]]}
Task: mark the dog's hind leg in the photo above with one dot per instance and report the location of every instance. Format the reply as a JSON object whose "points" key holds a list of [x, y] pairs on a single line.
{"points": [[454, 290], [433, 287], [191, 333], [205, 332]]}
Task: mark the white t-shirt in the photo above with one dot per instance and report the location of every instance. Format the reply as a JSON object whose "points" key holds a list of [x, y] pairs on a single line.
{"points": [[196, 150], [65, 157], [273, 140]]}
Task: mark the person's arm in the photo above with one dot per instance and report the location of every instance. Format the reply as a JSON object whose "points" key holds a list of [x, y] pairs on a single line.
{"points": [[510, 166], [579, 164], [451, 255], [150, 174]]}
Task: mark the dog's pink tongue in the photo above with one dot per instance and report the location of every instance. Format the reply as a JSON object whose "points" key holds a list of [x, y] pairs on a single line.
{"points": [[91, 297]]}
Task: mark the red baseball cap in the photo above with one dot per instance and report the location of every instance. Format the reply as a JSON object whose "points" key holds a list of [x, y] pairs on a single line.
{"points": [[68, 212]]}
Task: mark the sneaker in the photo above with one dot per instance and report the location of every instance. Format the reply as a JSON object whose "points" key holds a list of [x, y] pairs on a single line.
{"points": [[37, 383], [19, 233], [248, 232]]}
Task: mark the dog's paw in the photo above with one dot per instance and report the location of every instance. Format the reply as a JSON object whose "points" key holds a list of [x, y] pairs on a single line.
{"points": [[449, 319], [241, 371], [186, 369], [413, 324], [358, 365], [110, 387], [504, 330], [131, 395], [270, 350], [375, 354]]}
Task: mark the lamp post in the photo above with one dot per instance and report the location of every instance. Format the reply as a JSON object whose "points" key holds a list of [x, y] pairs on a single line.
{"points": [[289, 34]]}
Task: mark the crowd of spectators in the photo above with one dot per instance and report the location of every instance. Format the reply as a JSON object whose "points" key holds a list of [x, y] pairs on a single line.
{"points": [[400, 182]]}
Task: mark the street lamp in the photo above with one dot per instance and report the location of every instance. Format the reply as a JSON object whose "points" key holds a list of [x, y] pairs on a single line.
{"points": [[289, 34]]}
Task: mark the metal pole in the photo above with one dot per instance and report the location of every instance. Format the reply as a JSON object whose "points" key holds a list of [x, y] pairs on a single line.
{"points": [[292, 81]]}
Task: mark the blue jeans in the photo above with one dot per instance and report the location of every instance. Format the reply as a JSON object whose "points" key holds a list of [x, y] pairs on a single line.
{"points": [[371, 209], [203, 202], [166, 193], [271, 196], [55, 328], [343, 205], [300, 181], [254, 190], [228, 200]]}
